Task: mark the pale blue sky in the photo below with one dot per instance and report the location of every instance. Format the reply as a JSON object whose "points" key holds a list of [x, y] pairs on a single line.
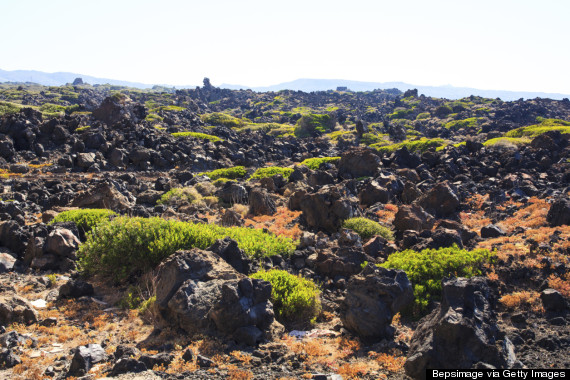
{"points": [[499, 44]]}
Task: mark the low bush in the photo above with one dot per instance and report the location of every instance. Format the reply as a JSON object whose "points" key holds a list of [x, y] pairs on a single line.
{"points": [[179, 195], [226, 173], [86, 219], [418, 146], [472, 122], [7, 108], [506, 141], [312, 125], [545, 125], [315, 163], [127, 246], [295, 299], [197, 135], [367, 228], [423, 115], [223, 120], [426, 269], [271, 171]]}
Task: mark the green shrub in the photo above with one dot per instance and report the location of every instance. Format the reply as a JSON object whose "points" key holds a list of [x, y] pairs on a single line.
{"points": [[401, 113], [295, 299], [423, 115], [50, 108], [86, 219], [426, 269], [127, 246], [154, 118], [506, 141], [271, 171], [314, 124], [197, 135], [420, 145], [315, 163], [443, 111], [545, 125], [7, 108], [367, 228], [222, 119], [180, 194], [465, 123], [226, 173]]}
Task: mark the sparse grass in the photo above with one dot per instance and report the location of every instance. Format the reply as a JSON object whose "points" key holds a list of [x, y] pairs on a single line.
{"points": [[506, 142], [197, 135], [472, 122], [8, 108], [178, 195]]}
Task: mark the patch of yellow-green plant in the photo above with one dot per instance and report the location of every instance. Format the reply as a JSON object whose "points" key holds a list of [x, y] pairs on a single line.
{"points": [[8, 108], [334, 136], [472, 122], [222, 119], [506, 141], [312, 125], [401, 113], [83, 129], [457, 145], [546, 125], [316, 162], [85, 219], [226, 173], [423, 115], [366, 228], [427, 268], [270, 171], [418, 146], [197, 135], [295, 299], [127, 246], [374, 138], [154, 118]]}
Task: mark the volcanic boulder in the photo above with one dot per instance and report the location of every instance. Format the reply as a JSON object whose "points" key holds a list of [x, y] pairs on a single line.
{"points": [[461, 333], [372, 299]]}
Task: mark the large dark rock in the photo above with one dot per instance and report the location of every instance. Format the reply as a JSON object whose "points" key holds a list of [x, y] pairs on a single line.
{"points": [[372, 193], [76, 288], [327, 208], [104, 195], [117, 108], [15, 309], [7, 262], [552, 300], [13, 236], [260, 203], [441, 200], [559, 213], [232, 193], [62, 242], [359, 162], [412, 218], [84, 357], [461, 333], [492, 231], [201, 293], [9, 359], [127, 365], [228, 250], [372, 299]]}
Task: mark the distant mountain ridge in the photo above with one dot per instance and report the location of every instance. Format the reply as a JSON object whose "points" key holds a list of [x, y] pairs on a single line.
{"points": [[306, 85], [448, 91]]}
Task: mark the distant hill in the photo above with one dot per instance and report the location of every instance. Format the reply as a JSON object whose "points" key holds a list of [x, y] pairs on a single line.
{"points": [[60, 78], [306, 85], [449, 92]]}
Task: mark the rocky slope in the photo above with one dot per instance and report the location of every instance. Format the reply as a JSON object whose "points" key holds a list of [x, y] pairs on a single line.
{"points": [[475, 176]]}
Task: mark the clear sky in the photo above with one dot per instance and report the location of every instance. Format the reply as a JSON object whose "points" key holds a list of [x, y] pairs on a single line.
{"points": [[500, 44]]}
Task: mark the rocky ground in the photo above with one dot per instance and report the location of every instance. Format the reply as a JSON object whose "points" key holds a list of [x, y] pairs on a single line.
{"points": [[478, 173]]}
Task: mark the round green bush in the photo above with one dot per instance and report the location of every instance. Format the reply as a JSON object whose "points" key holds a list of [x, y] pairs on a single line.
{"points": [[367, 228], [271, 171], [426, 269], [295, 299]]}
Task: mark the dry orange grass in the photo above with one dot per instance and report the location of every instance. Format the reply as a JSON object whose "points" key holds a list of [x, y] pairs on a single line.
{"points": [[523, 299], [235, 373], [387, 215], [387, 362], [281, 223], [562, 284], [353, 370], [531, 215]]}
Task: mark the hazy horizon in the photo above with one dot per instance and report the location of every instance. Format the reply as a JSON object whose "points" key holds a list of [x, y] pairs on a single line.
{"points": [[508, 45]]}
